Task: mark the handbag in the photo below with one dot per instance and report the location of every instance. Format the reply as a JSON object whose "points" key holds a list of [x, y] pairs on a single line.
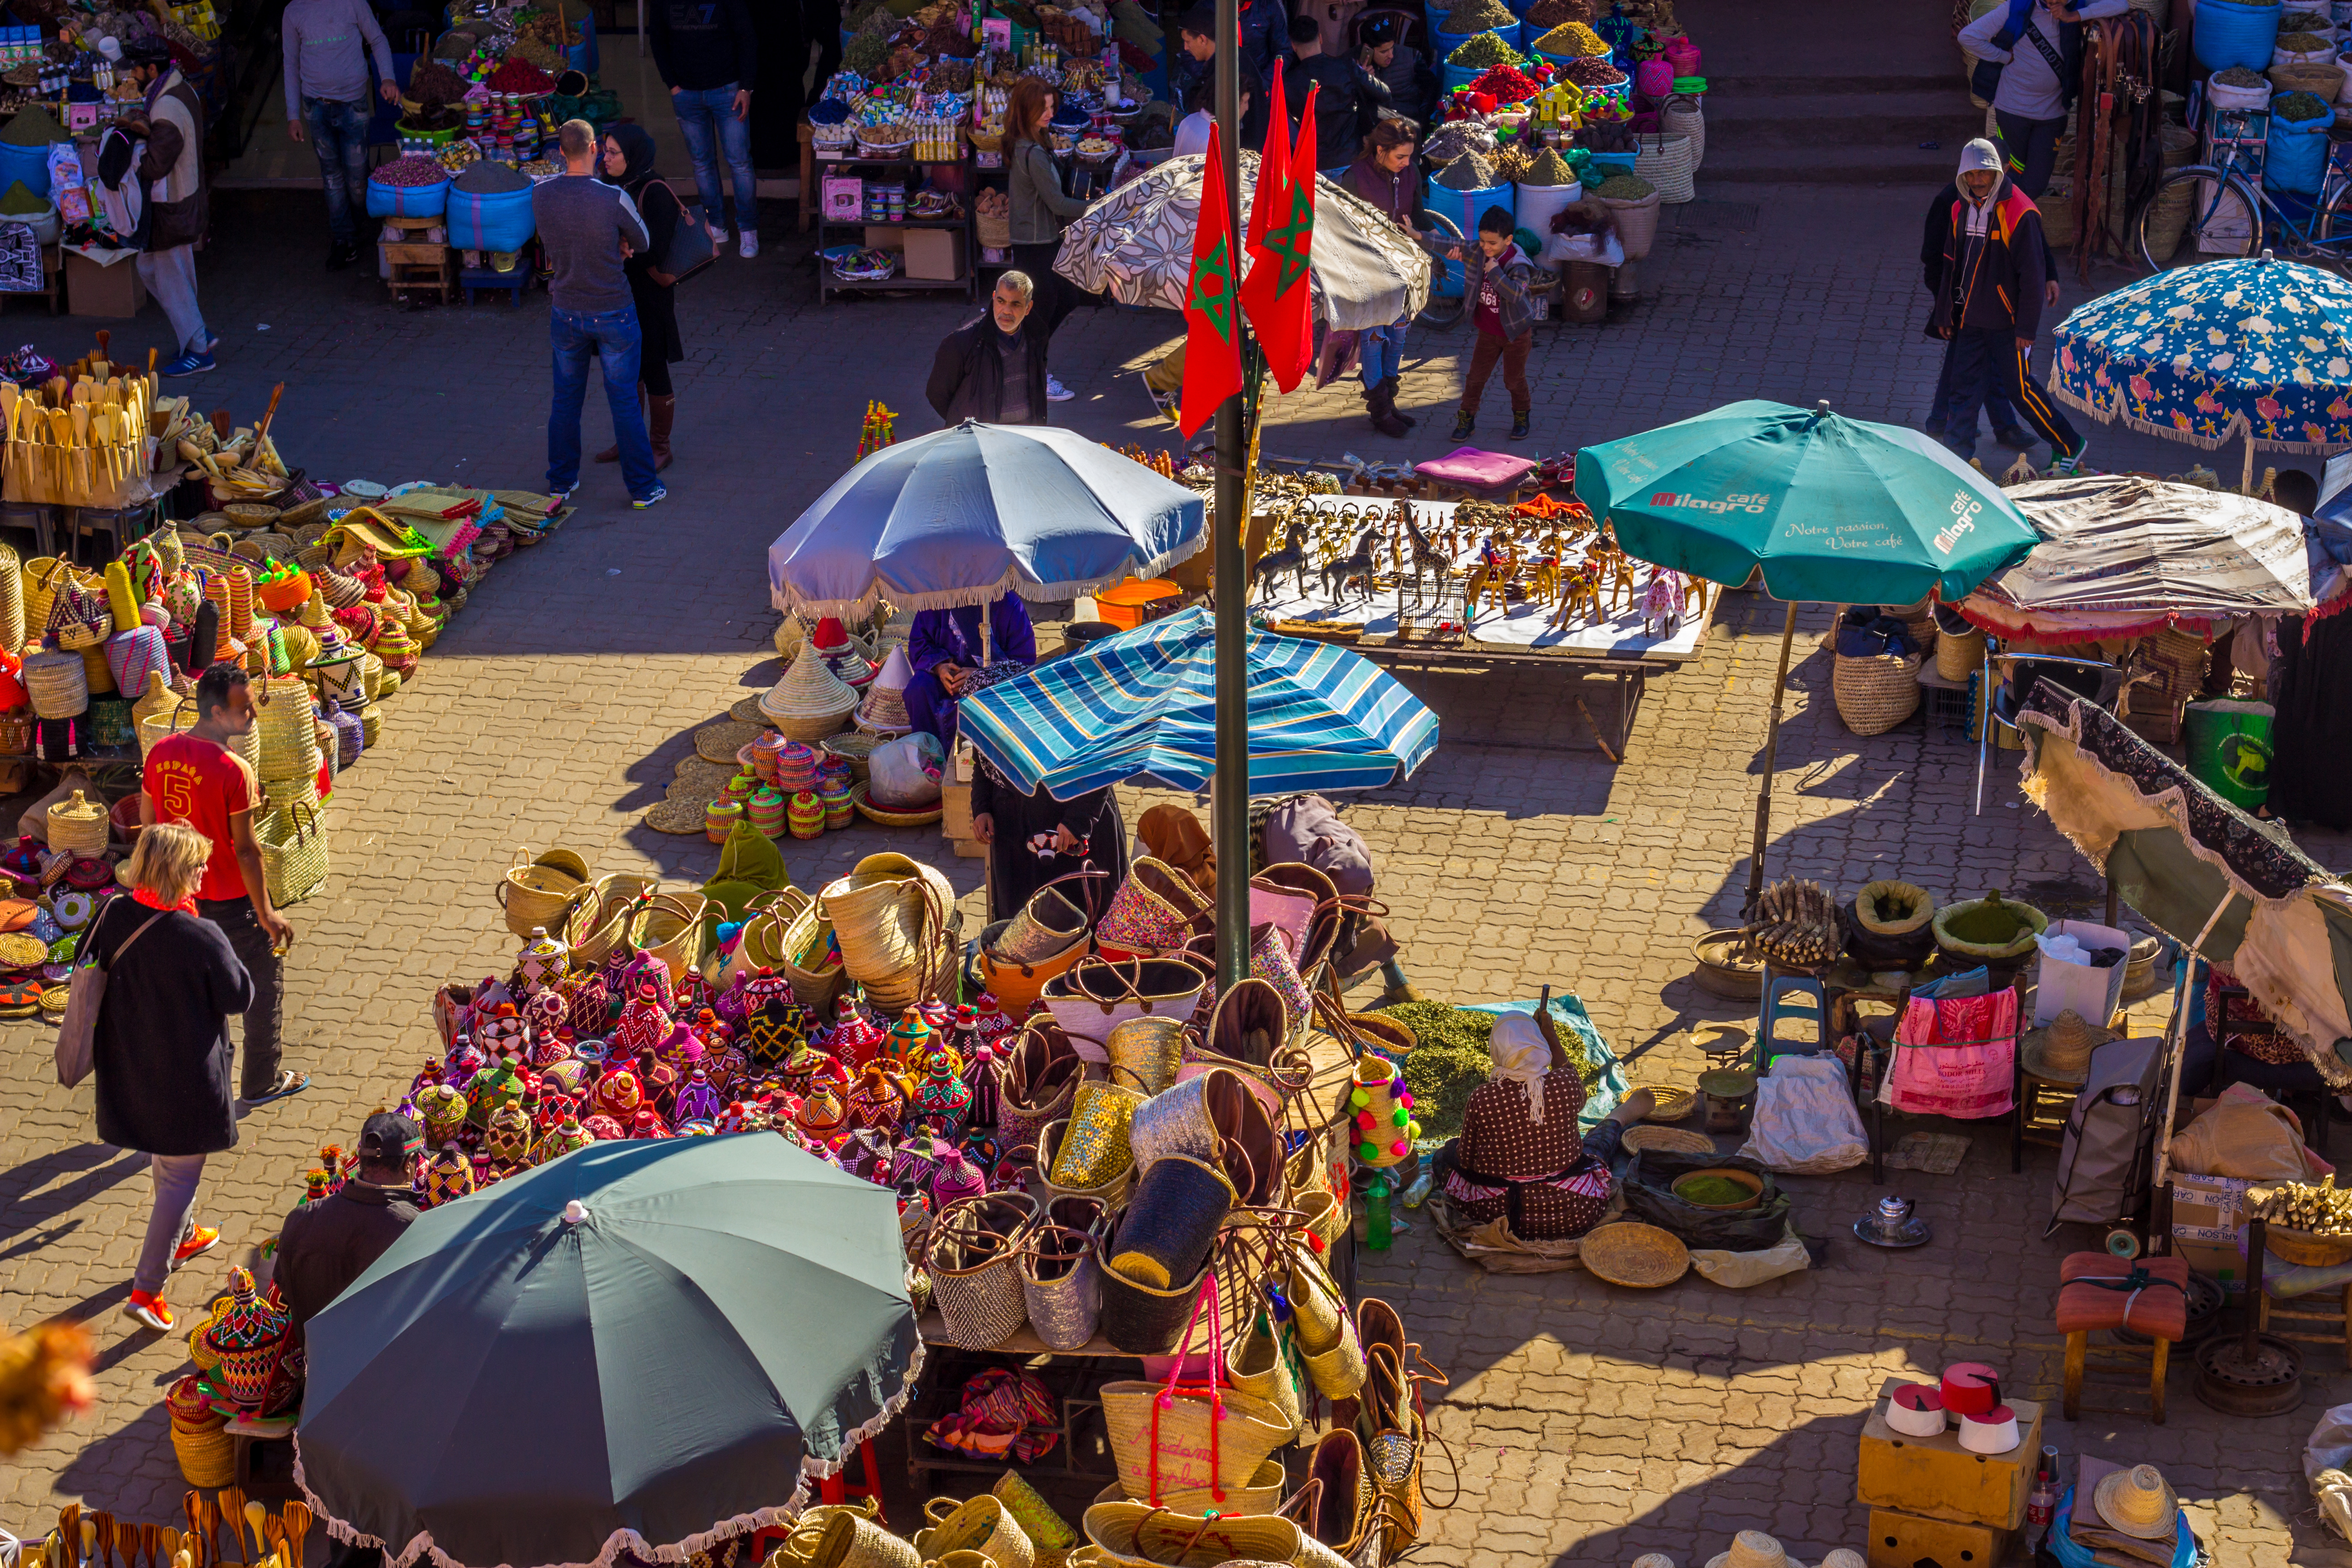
{"points": [[691, 247], [293, 847], [78, 1038], [1155, 912], [1190, 1436]]}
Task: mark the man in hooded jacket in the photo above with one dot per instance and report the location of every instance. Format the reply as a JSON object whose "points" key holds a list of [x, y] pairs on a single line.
{"points": [[1996, 267]]}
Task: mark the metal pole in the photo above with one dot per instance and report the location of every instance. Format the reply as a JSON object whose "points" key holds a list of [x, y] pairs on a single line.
{"points": [[1229, 801], [1771, 753]]}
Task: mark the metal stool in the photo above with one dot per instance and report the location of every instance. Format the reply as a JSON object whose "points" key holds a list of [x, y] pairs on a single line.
{"points": [[122, 526], [1774, 1009], [38, 520]]}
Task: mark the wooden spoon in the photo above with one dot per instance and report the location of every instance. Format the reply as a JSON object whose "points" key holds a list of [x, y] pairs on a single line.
{"points": [[232, 1507], [256, 1516], [297, 1515], [212, 1531], [192, 1506], [69, 1533], [104, 1523]]}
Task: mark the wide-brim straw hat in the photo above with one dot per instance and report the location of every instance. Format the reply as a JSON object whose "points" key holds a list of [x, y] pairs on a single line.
{"points": [[2061, 1051], [1754, 1549], [809, 690], [2137, 1502]]}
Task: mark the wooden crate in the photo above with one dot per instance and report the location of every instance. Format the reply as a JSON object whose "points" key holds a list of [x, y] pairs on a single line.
{"points": [[1937, 1479], [415, 263], [1908, 1540], [955, 808]]}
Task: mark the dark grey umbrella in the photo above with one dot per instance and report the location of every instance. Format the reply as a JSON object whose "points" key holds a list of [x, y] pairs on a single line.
{"points": [[644, 1346]]}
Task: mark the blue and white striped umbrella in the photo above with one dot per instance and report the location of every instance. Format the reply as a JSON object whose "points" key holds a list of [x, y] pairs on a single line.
{"points": [[1320, 716], [962, 516]]}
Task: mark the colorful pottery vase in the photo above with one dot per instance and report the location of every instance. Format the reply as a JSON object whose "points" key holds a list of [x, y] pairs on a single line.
{"points": [[560, 1140], [492, 1087], [541, 963], [943, 1099], [507, 1140], [618, 1094], [805, 816], [448, 1178], [910, 1040], [442, 1108], [853, 1038], [695, 1101]]}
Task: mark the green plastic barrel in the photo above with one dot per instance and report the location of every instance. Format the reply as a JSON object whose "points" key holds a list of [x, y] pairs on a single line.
{"points": [[2228, 749]]}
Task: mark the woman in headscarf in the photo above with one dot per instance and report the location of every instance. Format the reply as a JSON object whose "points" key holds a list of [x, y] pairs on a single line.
{"points": [[1520, 1155], [629, 163], [1033, 839]]}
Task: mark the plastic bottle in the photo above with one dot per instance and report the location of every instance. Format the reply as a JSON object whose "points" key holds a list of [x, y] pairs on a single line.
{"points": [[1416, 1191], [1376, 1214], [2042, 1502]]}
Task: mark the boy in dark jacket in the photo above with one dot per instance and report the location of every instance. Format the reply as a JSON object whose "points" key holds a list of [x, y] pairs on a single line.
{"points": [[1495, 278], [1990, 306], [1931, 272]]}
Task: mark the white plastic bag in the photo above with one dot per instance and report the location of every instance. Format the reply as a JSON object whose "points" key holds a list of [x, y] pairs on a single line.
{"points": [[904, 775], [2325, 1453], [1740, 1270], [1805, 1123]]}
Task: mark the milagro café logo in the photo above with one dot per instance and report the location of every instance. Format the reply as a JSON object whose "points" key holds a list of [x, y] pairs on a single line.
{"points": [[1965, 508], [1754, 503]]}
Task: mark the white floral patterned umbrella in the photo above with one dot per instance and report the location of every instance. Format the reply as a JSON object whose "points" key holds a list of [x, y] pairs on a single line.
{"points": [[1136, 245]]}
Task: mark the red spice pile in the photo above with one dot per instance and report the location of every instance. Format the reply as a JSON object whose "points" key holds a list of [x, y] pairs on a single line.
{"points": [[1506, 84], [519, 76]]}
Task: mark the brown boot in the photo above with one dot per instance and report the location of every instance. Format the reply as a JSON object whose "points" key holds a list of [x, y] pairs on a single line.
{"points": [[612, 454], [664, 415], [1385, 418]]}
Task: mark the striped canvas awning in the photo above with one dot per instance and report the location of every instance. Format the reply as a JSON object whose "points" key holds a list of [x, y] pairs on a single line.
{"points": [[1144, 702]]}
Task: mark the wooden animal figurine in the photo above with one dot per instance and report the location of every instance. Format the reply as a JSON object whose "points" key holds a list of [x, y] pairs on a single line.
{"points": [[1426, 554], [1490, 579], [1545, 586], [1695, 593], [1358, 567], [1292, 557], [1577, 587]]}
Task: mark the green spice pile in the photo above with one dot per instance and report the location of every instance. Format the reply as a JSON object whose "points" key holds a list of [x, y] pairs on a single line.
{"points": [[2297, 106], [34, 126], [20, 201], [2302, 42], [2303, 21], [1453, 1058], [1478, 15], [1487, 49], [1470, 172], [1625, 188], [1714, 1192], [2242, 76], [1573, 39], [488, 177], [866, 54], [1552, 13], [1551, 169]]}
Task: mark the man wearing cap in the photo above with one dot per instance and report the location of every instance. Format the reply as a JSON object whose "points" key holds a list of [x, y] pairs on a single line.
{"points": [[323, 1246], [1989, 307]]}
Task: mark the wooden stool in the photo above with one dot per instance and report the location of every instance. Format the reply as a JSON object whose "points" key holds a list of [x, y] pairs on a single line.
{"points": [[2042, 1106], [474, 279], [2338, 1319], [2097, 1292], [413, 263], [120, 526]]}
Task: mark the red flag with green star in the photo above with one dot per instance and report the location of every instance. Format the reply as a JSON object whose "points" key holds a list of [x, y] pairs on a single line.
{"points": [[1276, 296], [1212, 325]]}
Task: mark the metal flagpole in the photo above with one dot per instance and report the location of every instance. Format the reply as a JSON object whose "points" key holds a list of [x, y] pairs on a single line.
{"points": [[1229, 801]]}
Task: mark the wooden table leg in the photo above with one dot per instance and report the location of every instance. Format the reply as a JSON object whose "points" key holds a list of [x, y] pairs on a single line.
{"points": [[2161, 1357], [2078, 1345]]}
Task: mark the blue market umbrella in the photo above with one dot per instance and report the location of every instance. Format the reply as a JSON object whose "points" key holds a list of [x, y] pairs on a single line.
{"points": [[962, 516], [1320, 716], [642, 1346]]}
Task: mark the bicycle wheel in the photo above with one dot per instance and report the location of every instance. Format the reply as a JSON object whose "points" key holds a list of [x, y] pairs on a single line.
{"points": [[2334, 238], [2197, 214]]}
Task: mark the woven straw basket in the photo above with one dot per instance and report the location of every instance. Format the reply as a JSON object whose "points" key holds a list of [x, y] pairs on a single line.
{"points": [[982, 1525], [1666, 161], [1263, 1495], [79, 825], [1876, 693], [1959, 655], [538, 893], [595, 922]]}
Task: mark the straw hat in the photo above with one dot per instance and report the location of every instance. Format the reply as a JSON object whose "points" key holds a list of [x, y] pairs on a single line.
{"points": [[2061, 1052], [1754, 1549], [2137, 1502], [884, 712], [1653, 1560], [809, 690], [1844, 1557]]}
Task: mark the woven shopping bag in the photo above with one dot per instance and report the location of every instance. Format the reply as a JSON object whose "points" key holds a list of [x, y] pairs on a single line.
{"points": [[1190, 1436], [293, 845], [1061, 1282], [982, 1525], [1324, 1328], [974, 1259], [1156, 910]]}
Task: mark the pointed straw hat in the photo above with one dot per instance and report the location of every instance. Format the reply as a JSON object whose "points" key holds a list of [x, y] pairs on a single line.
{"points": [[2138, 1502], [886, 701], [808, 691], [2061, 1052]]}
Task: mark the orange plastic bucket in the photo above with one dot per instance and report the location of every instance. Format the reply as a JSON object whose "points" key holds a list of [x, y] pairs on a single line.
{"points": [[1125, 607]]}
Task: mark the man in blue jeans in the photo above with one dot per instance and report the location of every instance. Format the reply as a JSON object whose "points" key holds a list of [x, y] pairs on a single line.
{"points": [[327, 43], [708, 52], [587, 229]]}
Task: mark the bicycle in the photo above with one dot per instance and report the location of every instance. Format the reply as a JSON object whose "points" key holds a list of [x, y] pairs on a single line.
{"points": [[2226, 200]]}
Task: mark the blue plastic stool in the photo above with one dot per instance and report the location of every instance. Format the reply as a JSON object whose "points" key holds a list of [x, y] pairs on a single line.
{"points": [[1774, 1009], [474, 279]]}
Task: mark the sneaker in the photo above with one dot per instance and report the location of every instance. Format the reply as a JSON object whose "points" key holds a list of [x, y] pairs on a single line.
{"points": [[747, 245], [191, 364], [1518, 428], [565, 493], [150, 1309], [1057, 393], [288, 1082], [2072, 463], [1463, 423], [718, 235], [201, 1240], [2015, 439], [651, 496], [339, 255]]}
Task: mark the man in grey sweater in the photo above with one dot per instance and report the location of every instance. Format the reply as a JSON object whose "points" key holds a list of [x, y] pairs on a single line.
{"points": [[587, 229], [326, 72]]}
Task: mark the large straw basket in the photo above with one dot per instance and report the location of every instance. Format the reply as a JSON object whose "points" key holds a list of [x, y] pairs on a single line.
{"points": [[538, 893], [1683, 116], [669, 927], [981, 1524], [59, 684], [290, 738], [1959, 655], [1263, 1495], [810, 702], [1877, 692], [1176, 1437], [1136, 1535], [593, 923], [293, 845], [888, 915], [1640, 1255], [802, 959], [44, 575], [207, 1454], [2323, 81], [79, 825], [1666, 162]]}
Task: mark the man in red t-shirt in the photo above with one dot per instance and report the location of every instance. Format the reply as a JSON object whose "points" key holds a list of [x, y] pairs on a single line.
{"points": [[195, 778]]}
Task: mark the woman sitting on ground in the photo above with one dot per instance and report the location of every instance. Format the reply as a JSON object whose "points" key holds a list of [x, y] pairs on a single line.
{"points": [[1521, 1155]]}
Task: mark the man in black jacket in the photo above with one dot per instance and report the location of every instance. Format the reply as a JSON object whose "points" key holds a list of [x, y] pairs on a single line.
{"points": [[2005, 428], [323, 1246], [1346, 110], [708, 53], [993, 368], [1995, 271], [1196, 31]]}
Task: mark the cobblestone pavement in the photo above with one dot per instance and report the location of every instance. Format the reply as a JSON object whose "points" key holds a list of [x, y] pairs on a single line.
{"points": [[1589, 1423]]}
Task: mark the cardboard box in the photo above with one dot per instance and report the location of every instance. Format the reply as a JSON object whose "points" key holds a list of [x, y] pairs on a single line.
{"points": [[2221, 1260], [1908, 1541], [955, 806], [110, 291], [1937, 1479], [884, 237], [937, 253], [2093, 994], [2208, 1208]]}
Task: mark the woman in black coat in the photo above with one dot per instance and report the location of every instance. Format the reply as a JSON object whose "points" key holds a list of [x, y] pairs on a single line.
{"points": [[629, 163], [161, 1049]]}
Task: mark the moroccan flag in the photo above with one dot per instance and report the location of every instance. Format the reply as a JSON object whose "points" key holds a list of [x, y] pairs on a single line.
{"points": [[1213, 324], [1276, 296]]}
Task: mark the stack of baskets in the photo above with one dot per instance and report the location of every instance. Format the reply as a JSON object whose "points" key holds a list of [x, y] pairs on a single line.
{"points": [[200, 1437], [1683, 116]]}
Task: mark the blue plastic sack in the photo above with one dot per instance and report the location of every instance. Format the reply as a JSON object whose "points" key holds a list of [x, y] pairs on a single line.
{"points": [[2060, 1542], [2298, 152], [407, 201], [2229, 33], [500, 220], [30, 164]]}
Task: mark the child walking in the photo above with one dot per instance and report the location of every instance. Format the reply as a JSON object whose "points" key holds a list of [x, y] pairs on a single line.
{"points": [[1495, 278]]}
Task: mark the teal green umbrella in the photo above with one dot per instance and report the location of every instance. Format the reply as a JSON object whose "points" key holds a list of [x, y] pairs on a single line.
{"points": [[1828, 508], [1832, 508]]}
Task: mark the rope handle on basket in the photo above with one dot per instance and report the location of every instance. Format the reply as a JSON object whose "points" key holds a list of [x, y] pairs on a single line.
{"points": [[1166, 1398]]}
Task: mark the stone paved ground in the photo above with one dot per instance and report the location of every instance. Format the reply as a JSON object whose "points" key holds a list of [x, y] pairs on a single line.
{"points": [[1590, 1423]]}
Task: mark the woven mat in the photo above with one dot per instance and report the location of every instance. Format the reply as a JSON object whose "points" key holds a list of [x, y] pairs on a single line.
{"points": [[747, 711], [1933, 1153], [678, 816], [718, 743], [702, 770]]}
